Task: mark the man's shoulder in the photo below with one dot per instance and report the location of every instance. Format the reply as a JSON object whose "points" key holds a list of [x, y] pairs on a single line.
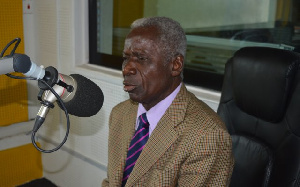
{"points": [[198, 110], [125, 105], [194, 106]]}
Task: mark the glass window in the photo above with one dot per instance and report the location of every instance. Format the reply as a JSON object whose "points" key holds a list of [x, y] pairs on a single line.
{"points": [[215, 29]]}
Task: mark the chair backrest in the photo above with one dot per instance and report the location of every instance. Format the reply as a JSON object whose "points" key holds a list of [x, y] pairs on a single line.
{"points": [[260, 105]]}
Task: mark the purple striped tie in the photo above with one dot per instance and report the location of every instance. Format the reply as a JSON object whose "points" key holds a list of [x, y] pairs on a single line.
{"points": [[137, 144]]}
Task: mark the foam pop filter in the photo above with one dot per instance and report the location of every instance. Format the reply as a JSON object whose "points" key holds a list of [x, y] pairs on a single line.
{"points": [[88, 98]]}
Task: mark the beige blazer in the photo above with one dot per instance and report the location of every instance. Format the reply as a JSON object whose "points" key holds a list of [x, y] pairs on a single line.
{"points": [[190, 146]]}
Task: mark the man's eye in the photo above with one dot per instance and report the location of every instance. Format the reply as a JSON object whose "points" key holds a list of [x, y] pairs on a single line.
{"points": [[141, 58]]}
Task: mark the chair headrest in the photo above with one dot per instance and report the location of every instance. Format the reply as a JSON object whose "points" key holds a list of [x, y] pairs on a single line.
{"points": [[262, 80]]}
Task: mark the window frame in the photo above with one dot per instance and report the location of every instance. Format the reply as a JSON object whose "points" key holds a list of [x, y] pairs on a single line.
{"points": [[195, 77], [207, 80]]}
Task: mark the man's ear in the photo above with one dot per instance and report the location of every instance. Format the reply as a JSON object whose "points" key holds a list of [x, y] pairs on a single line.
{"points": [[177, 65]]}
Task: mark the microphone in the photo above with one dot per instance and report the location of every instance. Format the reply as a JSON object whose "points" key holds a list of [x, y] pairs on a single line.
{"points": [[81, 96], [21, 63], [75, 94], [84, 101]]}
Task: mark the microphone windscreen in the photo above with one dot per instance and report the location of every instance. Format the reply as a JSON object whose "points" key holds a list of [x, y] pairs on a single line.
{"points": [[88, 98]]}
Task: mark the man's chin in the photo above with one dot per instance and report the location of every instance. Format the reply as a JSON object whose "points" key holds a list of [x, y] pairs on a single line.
{"points": [[134, 97]]}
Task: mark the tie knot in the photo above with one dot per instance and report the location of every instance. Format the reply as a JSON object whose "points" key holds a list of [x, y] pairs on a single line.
{"points": [[143, 120]]}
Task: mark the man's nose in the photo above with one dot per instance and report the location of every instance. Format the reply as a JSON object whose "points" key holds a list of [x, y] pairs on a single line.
{"points": [[128, 68]]}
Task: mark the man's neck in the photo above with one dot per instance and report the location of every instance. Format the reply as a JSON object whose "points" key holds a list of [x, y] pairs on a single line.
{"points": [[148, 106]]}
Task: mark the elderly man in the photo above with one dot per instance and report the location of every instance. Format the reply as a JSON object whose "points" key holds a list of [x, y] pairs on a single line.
{"points": [[163, 135]]}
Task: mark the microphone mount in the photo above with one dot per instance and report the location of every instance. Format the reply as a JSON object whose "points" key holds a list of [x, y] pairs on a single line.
{"points": [[51, 78]]}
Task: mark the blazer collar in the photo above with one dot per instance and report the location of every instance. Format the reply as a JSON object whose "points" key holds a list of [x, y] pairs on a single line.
{"points": [[128, 129], [164, 135]]}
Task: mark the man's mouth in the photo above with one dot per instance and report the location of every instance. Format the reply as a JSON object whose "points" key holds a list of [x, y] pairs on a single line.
{"points": [[128, 87]]}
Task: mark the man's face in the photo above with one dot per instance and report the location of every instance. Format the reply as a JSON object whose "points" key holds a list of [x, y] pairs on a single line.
{"points": [[147, 78]]}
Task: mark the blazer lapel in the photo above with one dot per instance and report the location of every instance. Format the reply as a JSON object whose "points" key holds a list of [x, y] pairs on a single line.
{"points": [[164, 135], [128, 128]]}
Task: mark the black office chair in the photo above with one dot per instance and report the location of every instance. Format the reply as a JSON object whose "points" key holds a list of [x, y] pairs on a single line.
{"points": [[260, 105]]}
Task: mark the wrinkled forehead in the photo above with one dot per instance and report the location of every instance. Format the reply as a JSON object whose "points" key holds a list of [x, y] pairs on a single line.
{"points": [[142, 36]]}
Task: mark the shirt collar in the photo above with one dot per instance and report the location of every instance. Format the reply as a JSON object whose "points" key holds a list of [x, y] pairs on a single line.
{"points": [[155, 113]]}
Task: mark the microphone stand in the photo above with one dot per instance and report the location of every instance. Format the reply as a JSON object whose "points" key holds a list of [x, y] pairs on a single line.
{"points": [[48, 81]]}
